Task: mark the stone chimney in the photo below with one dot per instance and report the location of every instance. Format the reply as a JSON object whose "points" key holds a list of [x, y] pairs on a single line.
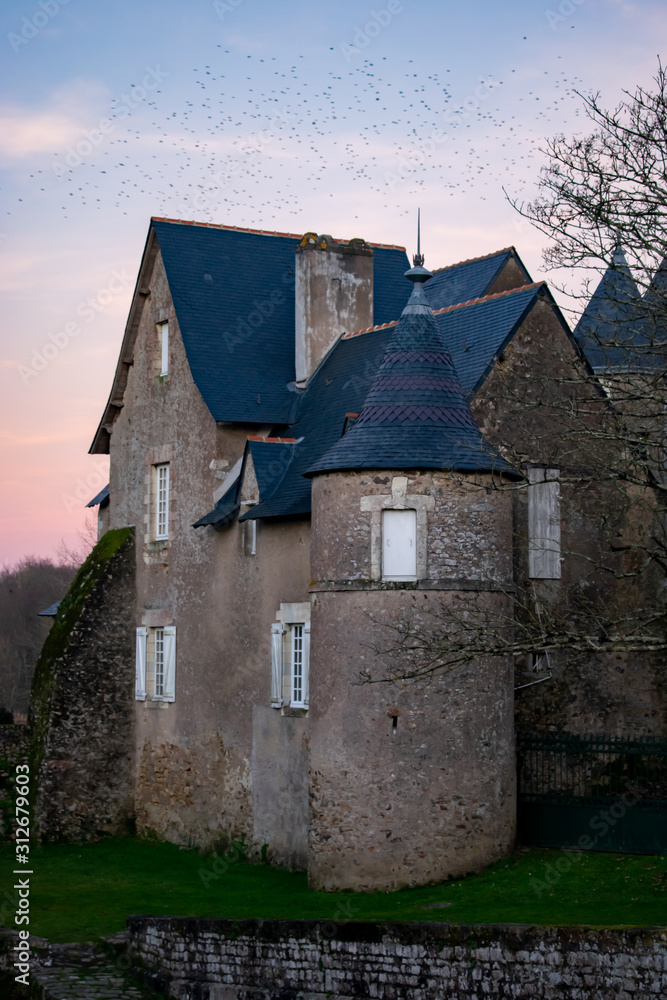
{"points": [[333, 293]]}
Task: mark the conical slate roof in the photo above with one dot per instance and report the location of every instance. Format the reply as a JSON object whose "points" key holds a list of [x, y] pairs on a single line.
{"points": [[655, 303], [612, 325], [415, 415]]}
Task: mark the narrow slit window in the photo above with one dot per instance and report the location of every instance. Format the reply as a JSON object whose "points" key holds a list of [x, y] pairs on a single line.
{"points": [[162, 501], [159, 663], [164, 348], [399, 544]]}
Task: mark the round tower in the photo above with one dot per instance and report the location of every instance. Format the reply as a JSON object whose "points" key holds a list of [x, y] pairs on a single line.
{"points": [[411, 782]]}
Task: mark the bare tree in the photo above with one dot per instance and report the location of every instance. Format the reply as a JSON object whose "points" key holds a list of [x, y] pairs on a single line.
{"points": [[26, 589], [597, 414]]}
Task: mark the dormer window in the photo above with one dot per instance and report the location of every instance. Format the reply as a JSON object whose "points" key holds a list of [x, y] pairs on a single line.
{"points": [[163, 334]]}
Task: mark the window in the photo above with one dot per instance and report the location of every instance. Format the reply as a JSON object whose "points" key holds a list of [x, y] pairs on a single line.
{"points": [[399, 544], [158, 682], [297, 665], [290, 663], [162, 501], [164, 348], [543, 524], [159, 662]]}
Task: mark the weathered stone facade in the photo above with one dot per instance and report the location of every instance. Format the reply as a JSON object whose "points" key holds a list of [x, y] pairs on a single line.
{"points": [[264, 960], [82, 713], [373, 785], [410, 783]]}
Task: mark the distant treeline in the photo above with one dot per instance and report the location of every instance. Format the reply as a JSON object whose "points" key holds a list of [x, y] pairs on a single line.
{"points": [[26, 589]]}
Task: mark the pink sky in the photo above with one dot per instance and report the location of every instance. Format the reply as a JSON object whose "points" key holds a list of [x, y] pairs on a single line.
{"points": [[442, 109]]}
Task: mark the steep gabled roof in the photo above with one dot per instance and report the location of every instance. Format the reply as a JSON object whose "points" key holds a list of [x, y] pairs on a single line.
{"points": [[612, 331], [470, 279], [233, 293], [341, 383], [655, 304]]}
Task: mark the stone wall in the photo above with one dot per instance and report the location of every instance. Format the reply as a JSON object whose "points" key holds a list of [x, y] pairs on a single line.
{"points": [[194, 755], [82, 712], [411, 782], [266, 960]]}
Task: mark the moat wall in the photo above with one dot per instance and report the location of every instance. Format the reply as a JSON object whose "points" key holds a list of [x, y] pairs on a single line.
{"points": [[266, 960]]}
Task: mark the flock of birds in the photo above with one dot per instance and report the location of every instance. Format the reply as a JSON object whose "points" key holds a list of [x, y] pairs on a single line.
{"points": [[248, 146]]}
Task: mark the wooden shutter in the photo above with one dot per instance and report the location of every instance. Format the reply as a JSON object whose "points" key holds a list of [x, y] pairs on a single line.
{"points": [[543, 524], [169, 662], [399, 544], [140, 674], [276, 665], [164, 348], [306, 664]]}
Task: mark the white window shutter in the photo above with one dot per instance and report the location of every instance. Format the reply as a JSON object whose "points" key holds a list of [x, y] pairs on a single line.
{"points": [[399, 544], [306, 664], [140, 675], [543, 524], [169, 662], [276, 665], [164, 348]]}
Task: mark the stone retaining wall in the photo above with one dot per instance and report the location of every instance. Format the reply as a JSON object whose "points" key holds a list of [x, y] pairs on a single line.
{"points": [[197, 959]]}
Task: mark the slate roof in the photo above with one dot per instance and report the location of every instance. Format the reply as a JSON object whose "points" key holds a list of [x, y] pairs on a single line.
{"points": [[51, 611], [415, 414], [655, 302], [225, 510], [469, 279], [612, 330], [271, 458], [233, 292], [101, 498], [475, 333]]}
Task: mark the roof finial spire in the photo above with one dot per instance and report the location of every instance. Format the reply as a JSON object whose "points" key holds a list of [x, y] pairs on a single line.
{"points": [[418, 259]]}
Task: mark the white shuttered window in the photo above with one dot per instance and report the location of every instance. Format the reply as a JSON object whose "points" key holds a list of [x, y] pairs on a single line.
{"points": [[544, 524], [164, 348], [399, 544], [297, 666], [140, 675], [162, 501]]}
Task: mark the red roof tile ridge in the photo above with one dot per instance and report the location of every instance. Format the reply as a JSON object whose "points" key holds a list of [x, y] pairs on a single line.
{"points": [[272, 440], [488, 298], [260, 232], [219, 225], [471, 260], [456, 305], [369, 329]]}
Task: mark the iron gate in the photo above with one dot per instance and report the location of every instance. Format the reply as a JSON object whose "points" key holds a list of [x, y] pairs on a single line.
{"points": [[597, 793]]}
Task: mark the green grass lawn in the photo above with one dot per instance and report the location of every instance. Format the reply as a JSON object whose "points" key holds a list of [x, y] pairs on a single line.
{"points": [[80, 892]]}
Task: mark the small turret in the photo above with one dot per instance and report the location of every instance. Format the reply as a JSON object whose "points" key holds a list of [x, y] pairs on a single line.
{"points": [[410, 783]]}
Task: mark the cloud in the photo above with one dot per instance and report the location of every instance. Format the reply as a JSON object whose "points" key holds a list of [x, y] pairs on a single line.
{"points": [[25, 130]]}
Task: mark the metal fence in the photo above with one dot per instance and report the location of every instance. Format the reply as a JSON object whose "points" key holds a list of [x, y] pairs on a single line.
{"points": [[567, 784]]}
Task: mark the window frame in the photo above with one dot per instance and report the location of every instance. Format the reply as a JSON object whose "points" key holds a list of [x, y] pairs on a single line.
{"points": [[388, 515], [162, 472], [164, 347]]}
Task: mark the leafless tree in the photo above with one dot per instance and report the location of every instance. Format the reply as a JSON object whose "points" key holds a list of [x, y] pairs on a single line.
{"points": [[598, 417]]}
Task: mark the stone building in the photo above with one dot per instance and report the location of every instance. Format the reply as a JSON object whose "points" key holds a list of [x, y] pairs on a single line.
{"points": [[304, 457]]}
